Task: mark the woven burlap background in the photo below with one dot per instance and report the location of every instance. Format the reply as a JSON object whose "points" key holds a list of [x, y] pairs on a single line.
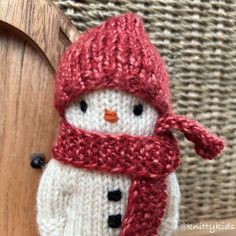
{"points": [[197, 38]]}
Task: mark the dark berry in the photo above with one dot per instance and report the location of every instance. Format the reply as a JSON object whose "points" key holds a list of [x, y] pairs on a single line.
{"points": [[38, 161]]}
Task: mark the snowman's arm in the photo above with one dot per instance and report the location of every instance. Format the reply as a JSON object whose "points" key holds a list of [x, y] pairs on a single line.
{"points": [[171, 217], [51, 199]]}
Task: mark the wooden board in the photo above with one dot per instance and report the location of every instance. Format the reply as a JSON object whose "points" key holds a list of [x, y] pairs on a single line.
{"points": [[41, 22], [32, 37]]}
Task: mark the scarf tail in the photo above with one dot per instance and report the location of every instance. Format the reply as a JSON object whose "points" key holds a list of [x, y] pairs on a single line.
{"points": [[206, 144], [146, 206]]}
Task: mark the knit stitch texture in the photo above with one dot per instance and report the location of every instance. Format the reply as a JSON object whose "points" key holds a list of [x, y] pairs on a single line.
{"points": [[100, 60], [66, 208], [197, 40], [115, 55]]}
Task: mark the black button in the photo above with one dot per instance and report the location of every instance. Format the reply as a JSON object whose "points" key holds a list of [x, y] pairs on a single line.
{"points": [[114, 195], [114, 221]]}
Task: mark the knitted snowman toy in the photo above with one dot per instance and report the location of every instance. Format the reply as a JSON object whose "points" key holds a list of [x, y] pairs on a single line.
{"points": [[114, 159]]}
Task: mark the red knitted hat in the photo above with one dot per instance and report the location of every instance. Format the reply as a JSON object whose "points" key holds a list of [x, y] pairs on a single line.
{"points": [[116, 55]]}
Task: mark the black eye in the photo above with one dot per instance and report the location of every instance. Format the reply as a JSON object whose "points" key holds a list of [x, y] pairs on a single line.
{"points": [[83, 106], [138, 109]]}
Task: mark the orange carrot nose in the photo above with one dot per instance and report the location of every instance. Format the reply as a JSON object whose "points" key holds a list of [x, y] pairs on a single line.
{"points": [[110, 116]]}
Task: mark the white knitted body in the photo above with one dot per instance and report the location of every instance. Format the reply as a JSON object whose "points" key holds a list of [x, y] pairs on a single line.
{"points": [[73, 202]]}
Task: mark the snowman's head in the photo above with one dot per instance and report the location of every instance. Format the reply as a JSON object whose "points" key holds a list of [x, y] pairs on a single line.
{"points": [[112, 112]]}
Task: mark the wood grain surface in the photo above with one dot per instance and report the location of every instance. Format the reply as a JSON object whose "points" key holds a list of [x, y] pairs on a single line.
{"points": [[41, 22], [28, 124], [33, 34]]}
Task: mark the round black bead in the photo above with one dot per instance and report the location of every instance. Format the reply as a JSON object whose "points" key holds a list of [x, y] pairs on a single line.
{"points": [[83, 106], [115, 195], [114, 221], [138, 109], [38, 161]]}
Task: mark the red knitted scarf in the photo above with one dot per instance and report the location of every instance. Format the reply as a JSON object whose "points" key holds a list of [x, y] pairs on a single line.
{"points": [[146, 160]]}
